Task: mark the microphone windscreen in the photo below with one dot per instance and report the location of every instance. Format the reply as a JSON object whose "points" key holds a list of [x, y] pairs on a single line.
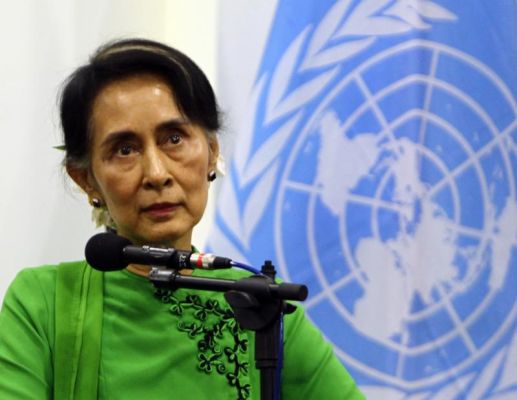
{"points": [[104, 251]]}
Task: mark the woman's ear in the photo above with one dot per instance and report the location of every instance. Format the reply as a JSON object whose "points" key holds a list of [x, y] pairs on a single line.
{"points": [[83, 178], [213, 152]]}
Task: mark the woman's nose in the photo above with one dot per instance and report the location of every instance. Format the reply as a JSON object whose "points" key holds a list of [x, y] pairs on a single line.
{"points": [[156, 175]]}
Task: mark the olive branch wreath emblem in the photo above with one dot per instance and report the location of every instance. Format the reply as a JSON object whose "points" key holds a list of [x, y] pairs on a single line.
{"points": [[346, 30]]}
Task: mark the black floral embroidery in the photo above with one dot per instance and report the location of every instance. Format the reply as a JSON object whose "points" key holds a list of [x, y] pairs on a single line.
{"points": [[211, 323]]}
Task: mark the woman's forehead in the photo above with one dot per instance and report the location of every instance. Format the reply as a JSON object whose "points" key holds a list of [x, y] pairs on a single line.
{"points": [[135, 93], [132, 86]]}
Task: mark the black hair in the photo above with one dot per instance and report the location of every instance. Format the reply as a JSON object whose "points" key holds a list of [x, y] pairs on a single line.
{"points": [[117, 60]]}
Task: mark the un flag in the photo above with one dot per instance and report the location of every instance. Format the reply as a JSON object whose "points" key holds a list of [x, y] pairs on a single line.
{"points": [[379, 166]]}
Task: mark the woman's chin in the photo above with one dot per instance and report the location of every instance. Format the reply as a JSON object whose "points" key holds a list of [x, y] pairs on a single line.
{"points": [[162, 238]]}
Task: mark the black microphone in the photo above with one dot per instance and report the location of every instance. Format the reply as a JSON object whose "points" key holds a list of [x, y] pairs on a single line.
{"points": [[110, 252]]}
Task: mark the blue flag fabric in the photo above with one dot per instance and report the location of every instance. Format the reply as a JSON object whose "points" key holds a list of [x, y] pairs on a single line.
{"points": [[379, 167]]}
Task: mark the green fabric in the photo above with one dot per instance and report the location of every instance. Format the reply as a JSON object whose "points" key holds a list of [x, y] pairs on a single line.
{"points": [[150, 347], [76, 358]]}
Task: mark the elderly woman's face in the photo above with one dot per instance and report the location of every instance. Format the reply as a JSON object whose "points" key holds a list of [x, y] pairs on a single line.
{"points": [[149, 164]]}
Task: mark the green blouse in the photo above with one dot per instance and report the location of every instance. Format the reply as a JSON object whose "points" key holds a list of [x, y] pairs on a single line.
{"points": [[181, 345]]}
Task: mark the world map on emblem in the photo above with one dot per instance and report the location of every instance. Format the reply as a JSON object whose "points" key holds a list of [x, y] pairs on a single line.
{"points": [[411, 169]]}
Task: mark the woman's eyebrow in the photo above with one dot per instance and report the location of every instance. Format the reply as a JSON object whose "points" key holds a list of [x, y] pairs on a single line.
{"points": [[127, 135], [118, 136], [171, 124]]}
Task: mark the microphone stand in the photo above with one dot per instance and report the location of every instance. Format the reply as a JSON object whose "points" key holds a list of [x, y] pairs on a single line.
{"points": [[258, 304]]}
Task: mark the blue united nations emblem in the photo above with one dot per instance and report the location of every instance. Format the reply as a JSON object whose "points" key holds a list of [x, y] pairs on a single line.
{"points": [[396, 201], [396, 181]]}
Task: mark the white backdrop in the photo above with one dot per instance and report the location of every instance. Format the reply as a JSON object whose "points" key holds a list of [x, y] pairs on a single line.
{"points": [[43, 218], [243, 27]]}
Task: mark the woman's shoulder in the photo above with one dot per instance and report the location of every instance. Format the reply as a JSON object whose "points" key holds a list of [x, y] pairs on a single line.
{"points": [[45, 271], [37, 280], [38, 275], [38, 271]]}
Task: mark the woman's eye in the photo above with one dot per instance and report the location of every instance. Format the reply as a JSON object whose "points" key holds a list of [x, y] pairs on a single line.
{"points": [[175, 138], [124, 149]]}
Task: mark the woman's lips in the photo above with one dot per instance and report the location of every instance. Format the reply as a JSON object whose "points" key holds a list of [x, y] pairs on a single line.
{"points": [[160, 209]]}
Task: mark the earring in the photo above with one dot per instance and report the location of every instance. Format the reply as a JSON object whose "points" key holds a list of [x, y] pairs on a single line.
{"points": [[96, 203], [212, 175]]}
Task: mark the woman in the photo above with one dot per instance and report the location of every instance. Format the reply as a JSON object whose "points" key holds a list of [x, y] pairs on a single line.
{"points": [[140, 122]]}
